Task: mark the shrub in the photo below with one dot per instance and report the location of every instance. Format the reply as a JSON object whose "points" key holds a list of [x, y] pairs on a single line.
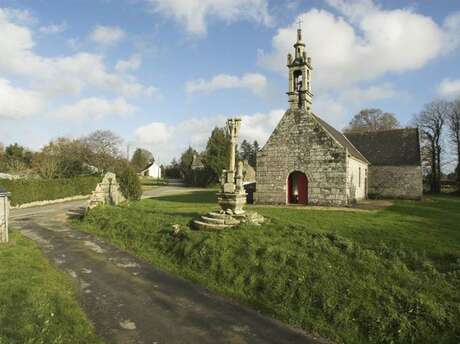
{"points": [[32, 190], [130, 184]]}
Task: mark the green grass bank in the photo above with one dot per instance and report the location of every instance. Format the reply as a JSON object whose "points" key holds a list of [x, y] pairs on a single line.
{"points": [[37, 303], [388, 276], [32, 190]]}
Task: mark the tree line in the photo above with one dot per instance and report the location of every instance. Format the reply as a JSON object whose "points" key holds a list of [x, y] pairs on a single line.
{"points": [[94, 154], [205, 168], [439, 123], [64, 157]]}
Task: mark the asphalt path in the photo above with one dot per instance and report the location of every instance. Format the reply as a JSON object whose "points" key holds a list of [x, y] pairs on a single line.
{"points": [[130, 301]]}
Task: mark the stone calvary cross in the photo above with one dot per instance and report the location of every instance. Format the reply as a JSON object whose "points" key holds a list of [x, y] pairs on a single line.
{"points": [[232, 196]]}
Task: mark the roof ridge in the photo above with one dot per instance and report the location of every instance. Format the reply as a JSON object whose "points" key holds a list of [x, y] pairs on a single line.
{"points": [[378, 131]]}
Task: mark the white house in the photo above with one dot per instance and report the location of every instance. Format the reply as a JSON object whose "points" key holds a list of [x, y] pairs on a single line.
{"points": [[153, 170]]}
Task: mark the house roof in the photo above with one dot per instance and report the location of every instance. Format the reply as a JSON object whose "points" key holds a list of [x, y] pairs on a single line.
{"points": [[197, 162], [338, 136], [150, 164], [396, 147]]}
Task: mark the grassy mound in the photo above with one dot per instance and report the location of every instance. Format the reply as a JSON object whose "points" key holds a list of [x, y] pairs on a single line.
{"points": [[37, 303], [32, 190], [352, 287]]}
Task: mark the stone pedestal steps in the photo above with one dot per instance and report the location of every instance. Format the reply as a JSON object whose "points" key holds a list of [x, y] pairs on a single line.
{"points": [[215, 221]]}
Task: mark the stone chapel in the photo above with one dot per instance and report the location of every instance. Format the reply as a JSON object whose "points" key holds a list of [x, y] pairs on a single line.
{"points": [[307, 161]]}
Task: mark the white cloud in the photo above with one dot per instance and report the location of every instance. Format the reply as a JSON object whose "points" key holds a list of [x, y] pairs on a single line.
{"points": [[154, 133], [194, 14], [95, 108], [23, 17], [169, 141], [17, 103], [452, 27], [253, 82], [449, 88], [359, 95], [61, 75], [368, 42], [107, 35], [53, 29], [131, 64]]}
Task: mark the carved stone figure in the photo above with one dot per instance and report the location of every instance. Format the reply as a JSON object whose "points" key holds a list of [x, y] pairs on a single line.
{"points": [[106, 192]]}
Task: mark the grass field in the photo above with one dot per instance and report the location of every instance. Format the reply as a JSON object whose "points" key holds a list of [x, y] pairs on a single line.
{"points": [[37, 303], [389, 276]]}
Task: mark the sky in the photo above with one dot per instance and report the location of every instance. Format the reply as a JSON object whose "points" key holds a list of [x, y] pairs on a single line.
{"points": [[162, 73]]}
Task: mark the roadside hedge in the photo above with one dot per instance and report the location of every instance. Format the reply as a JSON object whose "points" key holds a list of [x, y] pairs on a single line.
{"points": [[32, 190]]}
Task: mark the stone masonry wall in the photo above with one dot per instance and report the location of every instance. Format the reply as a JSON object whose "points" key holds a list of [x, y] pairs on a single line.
{"points": [[395, 182], [299, 143]]}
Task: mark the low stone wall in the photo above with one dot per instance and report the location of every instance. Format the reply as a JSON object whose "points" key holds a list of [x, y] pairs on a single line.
{"points": [[54, 201], [403, 182]]}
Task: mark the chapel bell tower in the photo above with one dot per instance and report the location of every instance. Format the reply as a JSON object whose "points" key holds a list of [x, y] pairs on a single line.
{"points": [[300, 69]]}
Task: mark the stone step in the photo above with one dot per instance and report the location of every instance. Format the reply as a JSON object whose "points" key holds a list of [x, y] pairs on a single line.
{"points": [[215, 215], [200, 225], [76, 212], [213, 220]]}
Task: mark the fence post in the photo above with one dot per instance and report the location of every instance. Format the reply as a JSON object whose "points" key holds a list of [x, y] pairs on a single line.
{"points": [[4, 213]]}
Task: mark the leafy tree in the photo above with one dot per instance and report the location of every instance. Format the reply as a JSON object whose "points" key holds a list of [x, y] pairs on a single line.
{"points": [[217, 153], [46, 165], [185, 165], [18, 158], [245, 150], [141, 158], [128, 179], [173, 170], [63, 158], [2, 158], [253, 159], [372, 120], [249, 152], [431, 121]]}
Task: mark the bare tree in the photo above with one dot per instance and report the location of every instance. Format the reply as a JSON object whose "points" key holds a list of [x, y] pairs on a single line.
{"points": [[453, 120], [105, 148], [431, 121], [372, 120]]}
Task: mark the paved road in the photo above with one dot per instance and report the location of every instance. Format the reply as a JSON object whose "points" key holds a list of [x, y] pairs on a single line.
{"points": [[130, 301]]}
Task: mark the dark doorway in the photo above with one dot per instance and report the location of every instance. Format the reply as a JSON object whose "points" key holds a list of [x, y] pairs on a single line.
{"points": [[297, 188]]}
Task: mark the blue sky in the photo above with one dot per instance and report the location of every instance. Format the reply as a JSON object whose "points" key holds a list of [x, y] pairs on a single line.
{"points": [[163, 73]]}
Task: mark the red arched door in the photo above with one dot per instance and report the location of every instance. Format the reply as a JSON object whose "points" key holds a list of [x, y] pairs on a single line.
{"points": [[297, 188]]}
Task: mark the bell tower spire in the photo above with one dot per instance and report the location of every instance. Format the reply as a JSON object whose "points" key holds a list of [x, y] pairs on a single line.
{"points": [[300, 70]]}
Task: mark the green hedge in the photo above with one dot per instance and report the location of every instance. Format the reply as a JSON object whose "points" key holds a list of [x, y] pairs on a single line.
{"points": [[31, 190]]}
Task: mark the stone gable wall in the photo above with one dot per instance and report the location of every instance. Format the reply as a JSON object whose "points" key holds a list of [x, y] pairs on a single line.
{"points": [[299, 143], [404, 182]]}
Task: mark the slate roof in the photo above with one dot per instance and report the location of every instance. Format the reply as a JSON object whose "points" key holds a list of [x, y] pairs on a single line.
{"points": [[342, 139], [396, 147], [150, 164]]}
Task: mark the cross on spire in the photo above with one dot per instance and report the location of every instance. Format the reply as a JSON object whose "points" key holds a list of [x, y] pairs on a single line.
{"points": [[300, 23]]}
